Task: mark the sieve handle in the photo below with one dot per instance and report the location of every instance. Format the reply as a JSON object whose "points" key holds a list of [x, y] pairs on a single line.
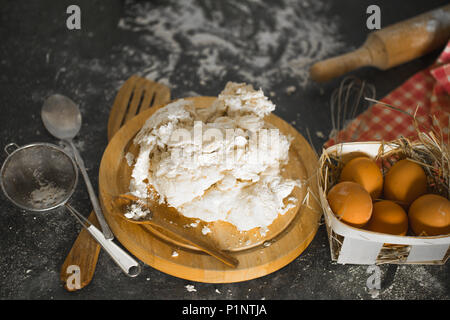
{"points": [[95, 204], [128, 265]]}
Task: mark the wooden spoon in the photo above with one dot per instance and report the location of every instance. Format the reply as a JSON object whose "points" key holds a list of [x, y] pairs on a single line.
{"points": [[177, 231], [136, 95]]}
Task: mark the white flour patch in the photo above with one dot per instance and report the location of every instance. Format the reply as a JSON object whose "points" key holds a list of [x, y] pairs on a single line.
{"points": [[48, 194], [206, 230], [130, 159], [190, 288], [290, 90], [137, 211]]}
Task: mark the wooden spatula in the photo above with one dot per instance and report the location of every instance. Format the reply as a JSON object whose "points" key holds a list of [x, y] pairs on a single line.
{"points": [[136, 95]]}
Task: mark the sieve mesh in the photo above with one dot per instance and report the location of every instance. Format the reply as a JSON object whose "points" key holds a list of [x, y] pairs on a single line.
{"points": [[39, 177]]}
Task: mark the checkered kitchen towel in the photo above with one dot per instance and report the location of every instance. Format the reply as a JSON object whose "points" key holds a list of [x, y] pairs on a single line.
{"points": [[426, 94]]}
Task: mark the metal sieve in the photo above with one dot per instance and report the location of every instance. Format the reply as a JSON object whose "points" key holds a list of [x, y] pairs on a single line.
{"points": [[42, 177], [38, 177]]}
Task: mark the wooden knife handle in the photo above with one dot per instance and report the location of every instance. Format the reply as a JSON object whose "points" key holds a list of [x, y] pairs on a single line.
{"points": [[79, 258]]}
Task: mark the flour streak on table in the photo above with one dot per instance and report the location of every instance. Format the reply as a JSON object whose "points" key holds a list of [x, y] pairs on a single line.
{"points": [[258, 42]]}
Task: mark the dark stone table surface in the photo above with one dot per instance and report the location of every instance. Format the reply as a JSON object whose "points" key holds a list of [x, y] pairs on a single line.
{"points": [[194, 47]]}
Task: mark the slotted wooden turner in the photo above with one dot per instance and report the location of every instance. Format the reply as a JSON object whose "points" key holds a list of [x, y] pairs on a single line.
{"points": [[136, 95]]}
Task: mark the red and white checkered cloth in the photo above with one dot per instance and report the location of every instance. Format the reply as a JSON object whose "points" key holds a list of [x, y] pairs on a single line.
{"points": [[428, 92]]}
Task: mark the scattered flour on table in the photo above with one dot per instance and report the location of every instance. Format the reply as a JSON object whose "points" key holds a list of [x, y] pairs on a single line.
{"points": [[218, 36], [290, 90], [320, 134], [190, 288]]}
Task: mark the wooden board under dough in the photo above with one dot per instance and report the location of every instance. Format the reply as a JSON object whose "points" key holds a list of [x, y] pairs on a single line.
{"points": [[258, 254]]}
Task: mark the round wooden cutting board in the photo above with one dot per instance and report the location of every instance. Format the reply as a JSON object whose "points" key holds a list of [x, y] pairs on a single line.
{"points": [[258, 254]]}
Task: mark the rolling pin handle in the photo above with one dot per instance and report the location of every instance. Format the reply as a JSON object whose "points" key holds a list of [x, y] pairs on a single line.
{"points": [[334, 67]]}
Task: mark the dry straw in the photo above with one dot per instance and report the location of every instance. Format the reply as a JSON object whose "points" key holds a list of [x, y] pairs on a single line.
{"points": [[428, 149]]}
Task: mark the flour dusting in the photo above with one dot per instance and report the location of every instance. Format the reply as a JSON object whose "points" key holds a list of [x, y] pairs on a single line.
{"points": [[190, 288], [270, 41], [47, 195]]}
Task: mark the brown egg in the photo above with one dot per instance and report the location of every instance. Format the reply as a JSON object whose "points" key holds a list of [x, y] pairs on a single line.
{"points": [[365, 172], [351, 203], [388, 217], [347, 157], [429, 215], [405, 182]]}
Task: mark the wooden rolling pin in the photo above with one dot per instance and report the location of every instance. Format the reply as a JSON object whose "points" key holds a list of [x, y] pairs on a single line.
{"points": [[391, 46]]}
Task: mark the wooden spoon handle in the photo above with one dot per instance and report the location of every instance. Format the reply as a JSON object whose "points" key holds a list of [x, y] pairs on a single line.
{"points": [[204, 246], [77, 257], [84, 252], [177, 231]]}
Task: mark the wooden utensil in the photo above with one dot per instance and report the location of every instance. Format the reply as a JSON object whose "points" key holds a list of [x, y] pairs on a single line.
{"points": [[151, 247], [135, 96], [391, 46], [178, 231]]}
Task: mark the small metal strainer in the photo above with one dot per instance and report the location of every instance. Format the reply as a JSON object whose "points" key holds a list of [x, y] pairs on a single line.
{"points": [[42, 177]]}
